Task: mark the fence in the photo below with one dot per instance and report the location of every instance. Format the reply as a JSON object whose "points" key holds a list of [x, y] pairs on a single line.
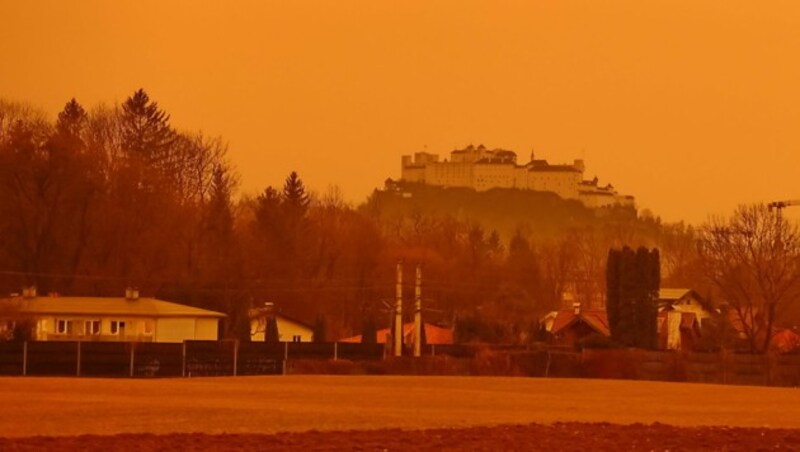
{"points": [[210, 358], [149, 359], [719, 368]]}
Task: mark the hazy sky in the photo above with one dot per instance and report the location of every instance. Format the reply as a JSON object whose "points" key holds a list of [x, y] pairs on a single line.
{"points": [[691, 106]]}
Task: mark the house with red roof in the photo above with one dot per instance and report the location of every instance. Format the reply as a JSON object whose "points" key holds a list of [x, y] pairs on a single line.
{"points": [[434, 335], [569, 326], [681, 312]]}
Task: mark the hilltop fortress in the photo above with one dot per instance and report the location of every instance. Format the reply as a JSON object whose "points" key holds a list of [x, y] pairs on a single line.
{"points": [[482, 169]]}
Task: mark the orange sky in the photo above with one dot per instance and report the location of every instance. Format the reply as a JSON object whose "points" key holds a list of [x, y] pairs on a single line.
{"points": [[692, 106]]}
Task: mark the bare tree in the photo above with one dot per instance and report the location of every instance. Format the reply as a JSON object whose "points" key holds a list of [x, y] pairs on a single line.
{"points": [[753, 259]]}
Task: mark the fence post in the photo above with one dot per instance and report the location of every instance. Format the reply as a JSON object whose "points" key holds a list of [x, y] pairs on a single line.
{"points": [[285, 355], [724, 364], [133, 346], [78, 367], [335, 351], [768, 361], [183, 359], [25, 358], [235, 356]]}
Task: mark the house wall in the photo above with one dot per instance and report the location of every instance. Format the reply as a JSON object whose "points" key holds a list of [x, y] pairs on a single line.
{"points": [[186, 328], [690, 304], [136, 329], [673, 326], [287, 329], [206, 329], [572, 334]]}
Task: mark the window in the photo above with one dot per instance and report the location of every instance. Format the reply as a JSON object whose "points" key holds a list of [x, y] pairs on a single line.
{"points": [[296, 338], [63, 326], [148, 327], [91, 327], [117, 326]]}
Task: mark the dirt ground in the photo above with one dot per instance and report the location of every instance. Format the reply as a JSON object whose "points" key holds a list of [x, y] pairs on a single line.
{"points": [[561, 436], [392, 413]]}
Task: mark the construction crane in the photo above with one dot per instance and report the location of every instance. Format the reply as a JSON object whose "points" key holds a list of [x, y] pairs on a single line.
{"points": [[780, 205], [783, 204]]}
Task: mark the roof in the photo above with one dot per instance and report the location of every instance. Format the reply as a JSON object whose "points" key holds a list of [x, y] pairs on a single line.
{"points": [[673, 294], [434, 335], [596, 319], [119, 306], [785, 341], [255, 313]]}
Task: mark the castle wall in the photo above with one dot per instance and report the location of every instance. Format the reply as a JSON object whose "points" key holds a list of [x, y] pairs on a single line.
{"points": [[482, 169], [449, 174], [562, 183], [488, 176]]}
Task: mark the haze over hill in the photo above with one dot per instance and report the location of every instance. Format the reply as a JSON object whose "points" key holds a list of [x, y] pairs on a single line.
{"points": [[542, 214], [689, 105]]}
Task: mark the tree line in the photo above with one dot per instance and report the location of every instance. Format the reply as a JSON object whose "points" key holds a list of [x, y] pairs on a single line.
{"points": [[113, 196]]}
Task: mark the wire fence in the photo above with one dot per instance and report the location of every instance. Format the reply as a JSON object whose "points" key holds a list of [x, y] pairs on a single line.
{"points": [[231, 358]]}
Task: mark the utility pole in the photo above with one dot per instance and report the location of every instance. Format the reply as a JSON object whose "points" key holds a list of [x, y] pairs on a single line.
{"points": [[418, 313], [398, 313]]}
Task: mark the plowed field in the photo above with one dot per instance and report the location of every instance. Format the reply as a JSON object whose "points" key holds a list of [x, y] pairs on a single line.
{"points": [[392, 413]]}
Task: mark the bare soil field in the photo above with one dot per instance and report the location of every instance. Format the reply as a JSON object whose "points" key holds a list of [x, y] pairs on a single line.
{"points": [[391, 412], [556, 437]]}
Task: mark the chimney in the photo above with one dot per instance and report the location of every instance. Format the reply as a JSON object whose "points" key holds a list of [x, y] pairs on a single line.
{"points": [[577, 308], [29, 292], [131, 293]]}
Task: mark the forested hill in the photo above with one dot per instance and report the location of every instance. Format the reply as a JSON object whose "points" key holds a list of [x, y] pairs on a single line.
{"points": [[505, 210]]}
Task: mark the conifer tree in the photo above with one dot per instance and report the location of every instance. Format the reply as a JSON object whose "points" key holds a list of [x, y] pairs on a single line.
{"points": [[632, 284], [295, 198], [71, 121], [369, 334], [146, 132], [319, 329], [271, 334]]}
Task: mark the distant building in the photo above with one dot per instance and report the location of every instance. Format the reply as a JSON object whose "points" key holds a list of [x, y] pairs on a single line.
{"points": [[680, 318], [290, 329], [681, 313], [129, 318], [483, 169], [434, 335], [569, 326]]}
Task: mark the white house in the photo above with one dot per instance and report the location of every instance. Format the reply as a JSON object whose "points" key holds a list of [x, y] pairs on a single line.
{"points": [[128, 318], [681, 315], [290, 329]]}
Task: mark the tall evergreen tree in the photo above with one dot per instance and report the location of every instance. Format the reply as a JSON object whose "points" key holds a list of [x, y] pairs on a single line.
{"points": [[146, 132], [71, 121], [369, 333], [319, 329], [613, 301], [271, 333], [632, 284], [295, 198]]}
